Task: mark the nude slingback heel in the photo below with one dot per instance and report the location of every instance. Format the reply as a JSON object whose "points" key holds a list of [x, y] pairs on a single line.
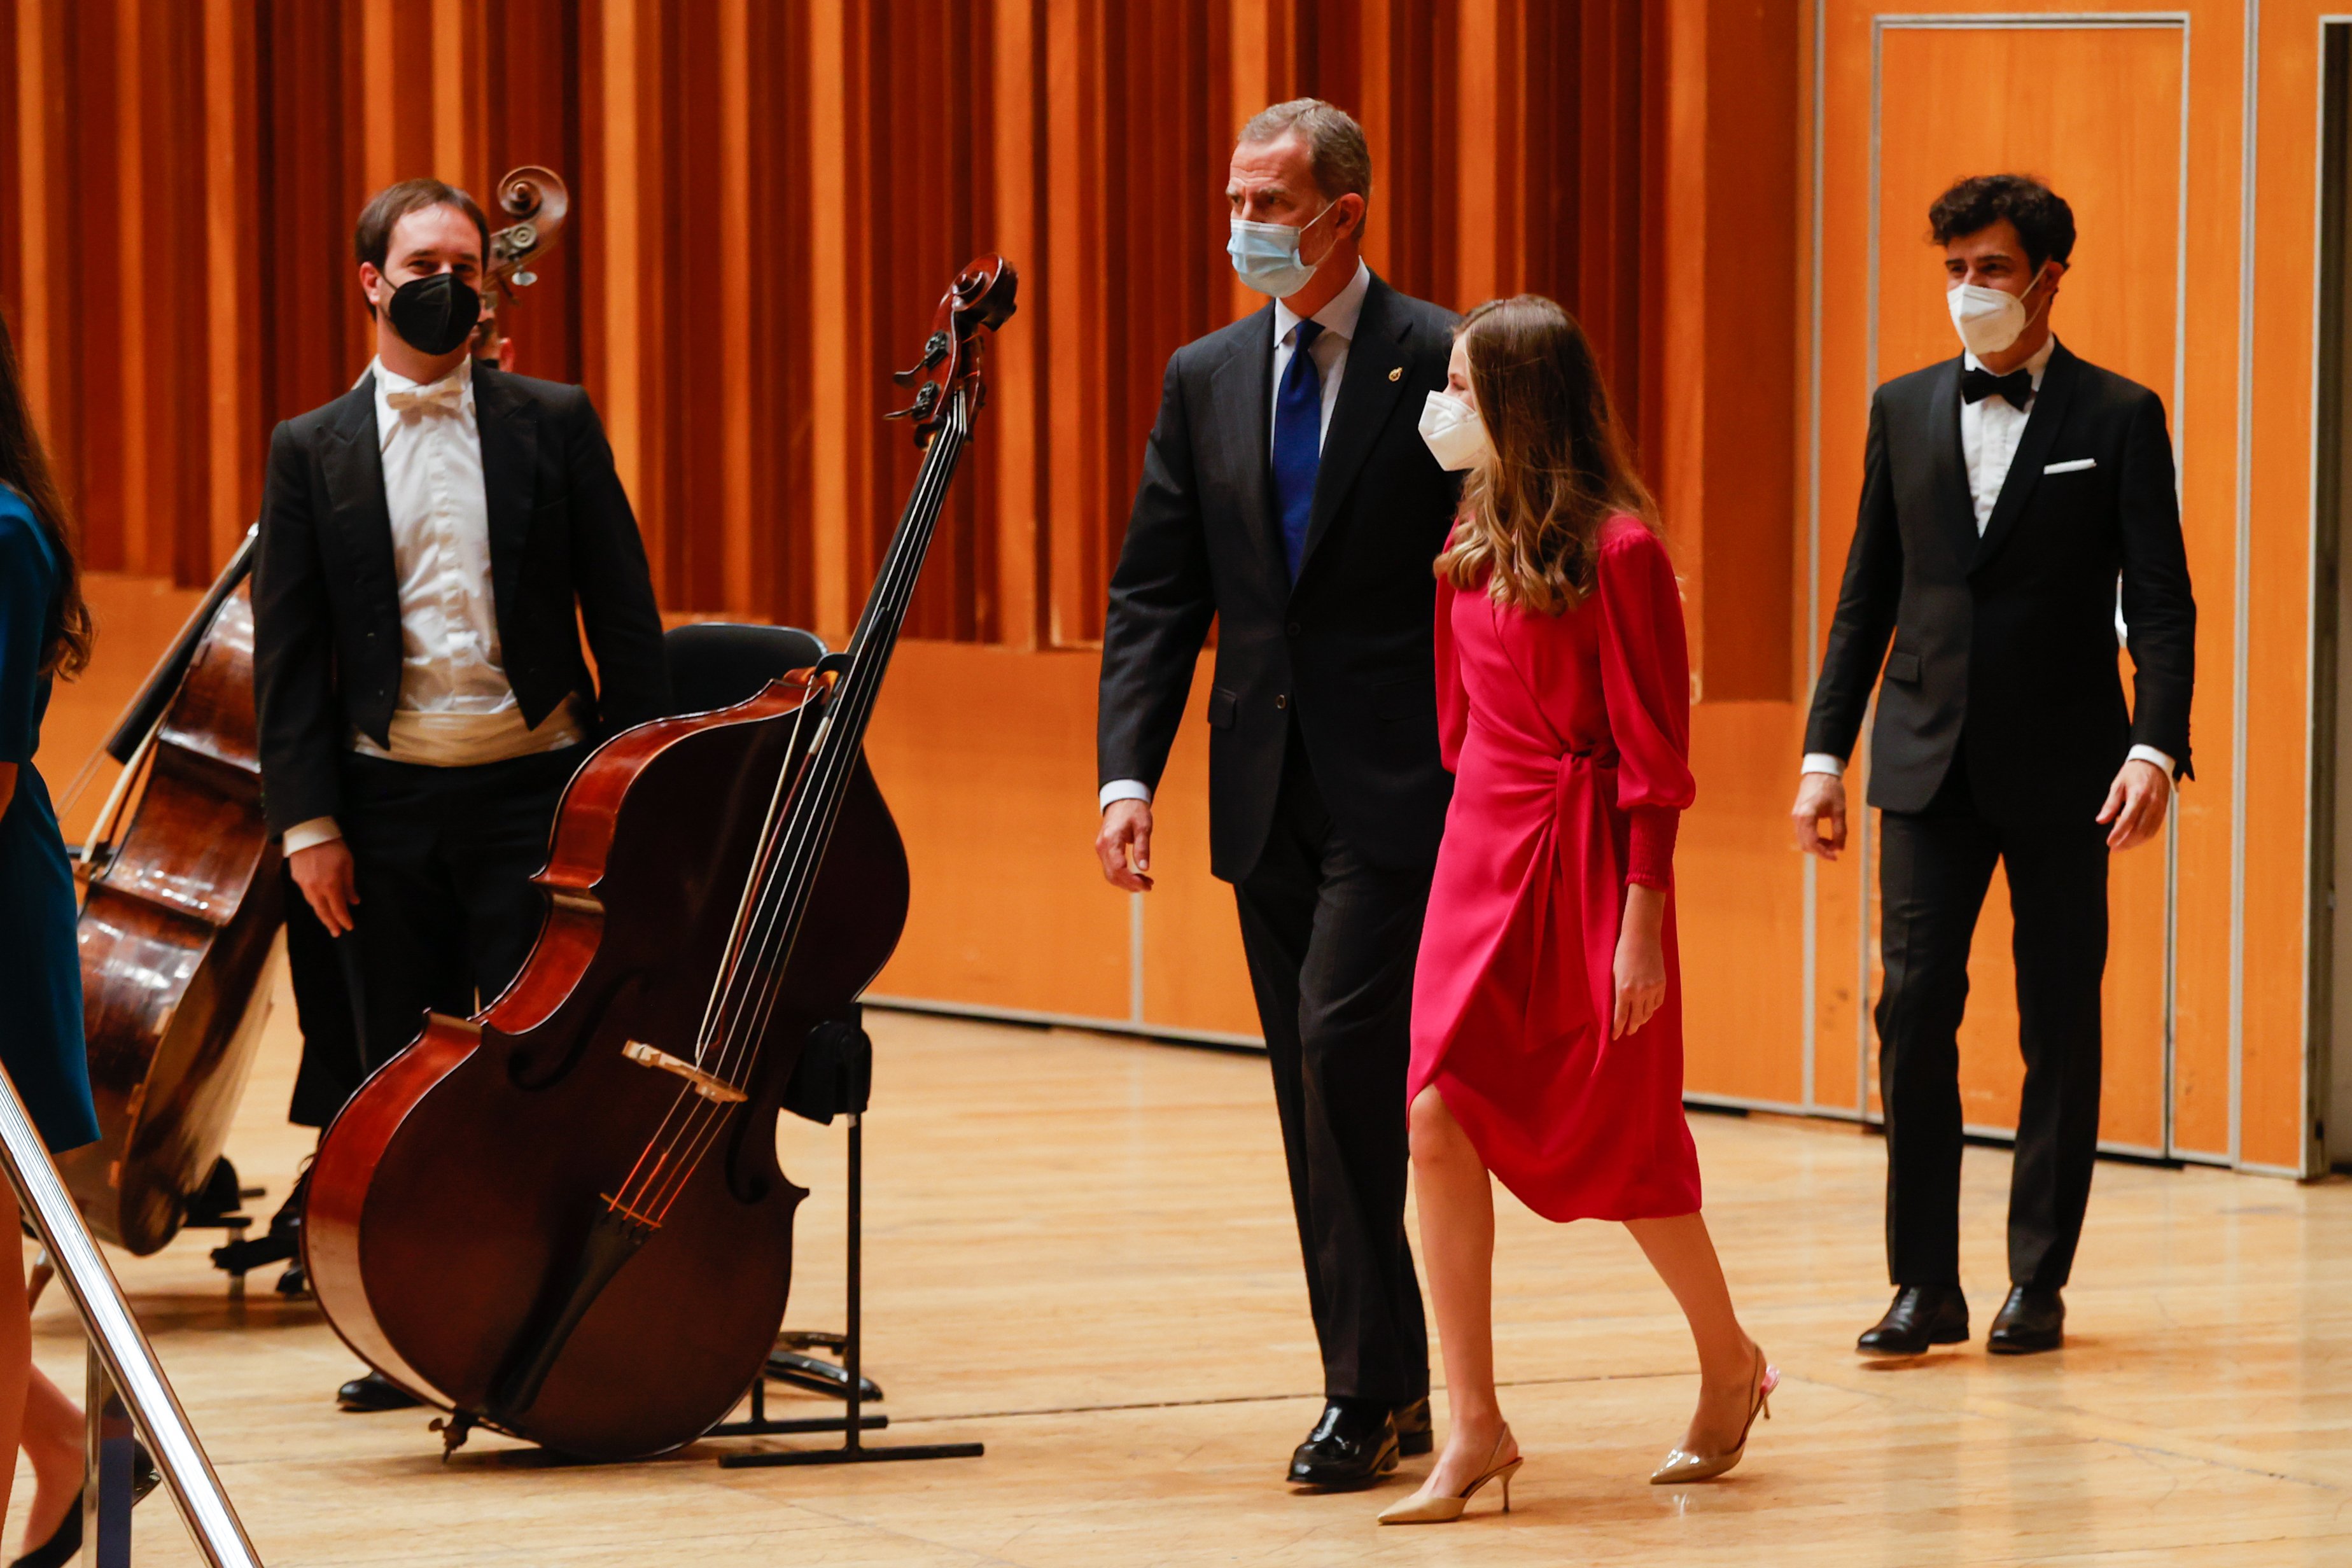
{"points": [[1684, 1466], [1422, 1509]]}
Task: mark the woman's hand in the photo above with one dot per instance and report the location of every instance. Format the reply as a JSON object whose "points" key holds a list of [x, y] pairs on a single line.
{"points": [[1641, 968]]}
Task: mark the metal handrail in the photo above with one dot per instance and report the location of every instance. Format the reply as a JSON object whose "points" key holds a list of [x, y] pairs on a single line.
{"points": [[118, 1341]]}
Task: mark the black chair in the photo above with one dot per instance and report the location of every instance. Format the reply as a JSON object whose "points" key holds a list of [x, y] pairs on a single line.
{"points": [[717, 664]]}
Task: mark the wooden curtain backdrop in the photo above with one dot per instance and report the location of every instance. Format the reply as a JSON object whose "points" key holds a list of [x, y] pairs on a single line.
{"points": [[763, 192]]}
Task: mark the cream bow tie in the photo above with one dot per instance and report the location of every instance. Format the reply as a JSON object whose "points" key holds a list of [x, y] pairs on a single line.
{"points": [[445, 396]]}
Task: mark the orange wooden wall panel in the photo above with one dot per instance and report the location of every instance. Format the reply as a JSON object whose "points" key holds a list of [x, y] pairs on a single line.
{"points": [[1739, 909], [986, 758], [2277, 1117]]}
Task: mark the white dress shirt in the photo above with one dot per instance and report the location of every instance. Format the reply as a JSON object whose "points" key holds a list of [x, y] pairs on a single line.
{"points": [[1339, 318], [456, 708], [1990, 429]]}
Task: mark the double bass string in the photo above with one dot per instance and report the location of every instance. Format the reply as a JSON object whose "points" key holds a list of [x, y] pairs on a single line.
{"points": [[747, 906], [781, 899], [662, 1144], [737, 977], [751, 982], [657, 1150], [775, 914], [842, 754]]}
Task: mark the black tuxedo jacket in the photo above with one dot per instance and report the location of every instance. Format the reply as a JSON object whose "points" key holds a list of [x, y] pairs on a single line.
{"points": [[1345, 652], [2010, 639], [326, 600]]}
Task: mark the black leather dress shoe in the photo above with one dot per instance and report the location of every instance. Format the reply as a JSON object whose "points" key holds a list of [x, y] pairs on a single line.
{"points": [[1354, 1445], [1416, 1435], [375, 1392], [1919, 1316], [2030, 1321]]}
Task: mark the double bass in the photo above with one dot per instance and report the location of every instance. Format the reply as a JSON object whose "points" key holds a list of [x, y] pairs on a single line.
{"points": [[563, 1218], [183, 896], [179, 921]]}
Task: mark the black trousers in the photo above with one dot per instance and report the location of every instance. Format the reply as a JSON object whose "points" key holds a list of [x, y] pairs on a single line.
{"points": [[444, 859], [1332, 942], [1933, 870]]}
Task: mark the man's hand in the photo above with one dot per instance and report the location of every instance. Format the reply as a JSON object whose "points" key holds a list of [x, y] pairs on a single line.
{"points": [[1123, 844], [324, 872], [2135, 804], [1820, 797]]}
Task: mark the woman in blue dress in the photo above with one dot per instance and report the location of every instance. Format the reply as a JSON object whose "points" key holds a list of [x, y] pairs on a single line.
{"points": [[45, 632]]}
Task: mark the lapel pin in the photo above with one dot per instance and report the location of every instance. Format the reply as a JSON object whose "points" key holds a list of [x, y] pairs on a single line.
{"points": [[1397, 374]]}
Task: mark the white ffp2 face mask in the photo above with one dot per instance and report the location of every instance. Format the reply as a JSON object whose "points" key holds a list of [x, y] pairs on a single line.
{"points": [[1989, 319], [1456, 435]]}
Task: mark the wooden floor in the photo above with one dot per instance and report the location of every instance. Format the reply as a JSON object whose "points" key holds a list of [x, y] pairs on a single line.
{"points": [[1079, 1251]]}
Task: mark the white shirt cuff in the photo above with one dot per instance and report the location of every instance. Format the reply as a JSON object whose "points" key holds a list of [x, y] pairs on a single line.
{"points": [[309, 835], [1822, 762], [2150, 754], [1125, 789]]}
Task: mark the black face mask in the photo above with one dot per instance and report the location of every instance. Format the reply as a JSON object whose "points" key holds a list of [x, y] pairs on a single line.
{"points": [[436, 314]]}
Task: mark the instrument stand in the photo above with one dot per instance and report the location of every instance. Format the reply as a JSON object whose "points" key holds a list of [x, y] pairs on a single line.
{"points": [[847, 1093], [219, 1206]]}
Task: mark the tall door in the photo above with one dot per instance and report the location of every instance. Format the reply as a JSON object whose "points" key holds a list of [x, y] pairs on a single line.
{"points": [[2097, 107], [2331, 647]]}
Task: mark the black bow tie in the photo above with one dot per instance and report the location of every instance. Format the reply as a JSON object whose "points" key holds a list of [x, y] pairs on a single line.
{"points": [[1977, 383]]}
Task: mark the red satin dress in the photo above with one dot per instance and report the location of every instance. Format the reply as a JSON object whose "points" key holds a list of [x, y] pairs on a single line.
{"points": [[1569, 737]]}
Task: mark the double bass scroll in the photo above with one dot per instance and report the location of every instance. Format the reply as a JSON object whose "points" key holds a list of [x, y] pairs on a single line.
{"points": [[538, 201]]}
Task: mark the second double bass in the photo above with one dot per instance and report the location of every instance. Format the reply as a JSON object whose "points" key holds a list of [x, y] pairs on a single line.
{"points": [[564, 1217]]}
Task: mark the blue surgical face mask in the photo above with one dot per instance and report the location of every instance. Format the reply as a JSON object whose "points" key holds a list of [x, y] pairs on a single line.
{"points": [[1266, 255]]}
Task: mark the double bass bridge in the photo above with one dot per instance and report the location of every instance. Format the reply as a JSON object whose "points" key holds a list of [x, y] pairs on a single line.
{"points": [[710, 1088]]}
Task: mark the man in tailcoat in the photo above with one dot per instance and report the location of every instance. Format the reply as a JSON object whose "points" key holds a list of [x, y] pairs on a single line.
{"points": [[431, 544]]}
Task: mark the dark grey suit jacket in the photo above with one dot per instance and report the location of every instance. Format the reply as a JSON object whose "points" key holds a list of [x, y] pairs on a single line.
{"points": [[1345, 652], [2010, 639], [326, 599]]}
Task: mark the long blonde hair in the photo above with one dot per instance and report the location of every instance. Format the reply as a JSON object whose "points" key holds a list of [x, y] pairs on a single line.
{"points": [[1530, 527]]}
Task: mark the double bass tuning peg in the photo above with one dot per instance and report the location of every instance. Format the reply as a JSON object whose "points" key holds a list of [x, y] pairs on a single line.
{"points": [[934, 350], [926, 397]]}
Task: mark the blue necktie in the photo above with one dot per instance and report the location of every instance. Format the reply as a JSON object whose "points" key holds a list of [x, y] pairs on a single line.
{"points": [[1298, 442]]}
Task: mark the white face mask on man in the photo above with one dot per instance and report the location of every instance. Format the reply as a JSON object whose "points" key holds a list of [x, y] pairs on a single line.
{"points": [[1990, 320], [1266, 255], [1455, 433]]}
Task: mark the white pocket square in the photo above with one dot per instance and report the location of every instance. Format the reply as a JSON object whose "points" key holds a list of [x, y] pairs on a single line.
{"points": [[2076, 466]]}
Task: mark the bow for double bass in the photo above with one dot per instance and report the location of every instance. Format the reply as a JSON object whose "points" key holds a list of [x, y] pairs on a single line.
{"points": [[564, 1217]]}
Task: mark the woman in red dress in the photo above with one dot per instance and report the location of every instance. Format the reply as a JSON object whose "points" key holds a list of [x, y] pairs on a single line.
{"points": [[1547, 1011]]}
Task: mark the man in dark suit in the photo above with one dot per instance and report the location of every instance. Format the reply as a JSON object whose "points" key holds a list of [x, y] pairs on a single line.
{"points": [[430, 541], [1287, 493], [2006, 494]]}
